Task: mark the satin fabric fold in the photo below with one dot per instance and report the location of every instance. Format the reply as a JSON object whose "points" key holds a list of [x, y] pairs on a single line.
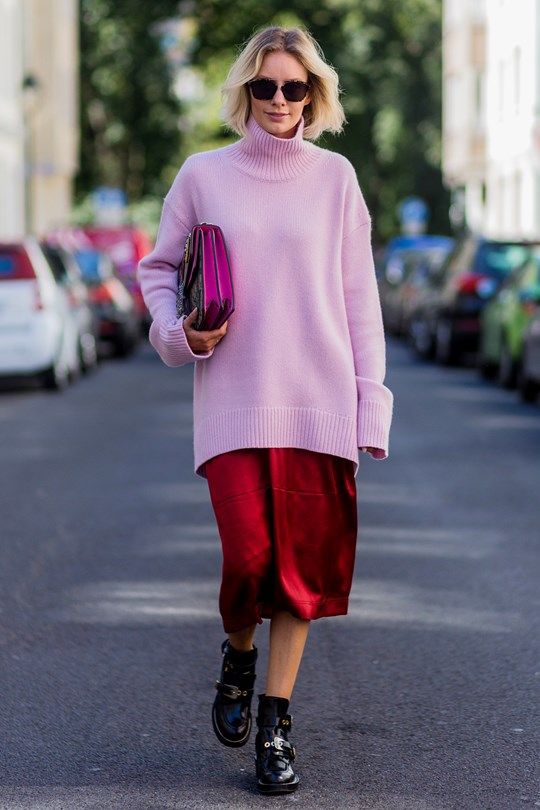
{"points": [[287, 519]]}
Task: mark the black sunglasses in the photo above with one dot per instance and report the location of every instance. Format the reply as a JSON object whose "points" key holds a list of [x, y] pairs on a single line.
{"points": [[265, 89]]}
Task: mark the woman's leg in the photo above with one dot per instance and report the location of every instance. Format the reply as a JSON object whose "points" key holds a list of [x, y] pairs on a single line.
{"points": [[242, 639], [287, 640]]}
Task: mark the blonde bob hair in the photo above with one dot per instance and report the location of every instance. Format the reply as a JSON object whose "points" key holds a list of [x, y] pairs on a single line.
{"points": [[324, 112]]}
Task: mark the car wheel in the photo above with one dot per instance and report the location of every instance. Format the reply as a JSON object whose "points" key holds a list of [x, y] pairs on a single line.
{"points": [[507, 368], [445, 352], [88, 355], [76, 370], [528, 389], [56, 377], [124, 347], [487, 368], [420, 338]]}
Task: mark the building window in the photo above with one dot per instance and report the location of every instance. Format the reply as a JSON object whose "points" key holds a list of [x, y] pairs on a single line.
{"points": [[517, 201], [500, 203], [483, 194], [479, 78], [500, 88], [516, 62]]}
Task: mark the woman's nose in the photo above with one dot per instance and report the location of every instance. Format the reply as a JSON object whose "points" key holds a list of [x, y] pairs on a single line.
{"points": [[278, 95]]}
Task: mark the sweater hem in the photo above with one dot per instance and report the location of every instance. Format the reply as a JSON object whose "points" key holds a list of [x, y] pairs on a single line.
{"points": [[278, 426]]}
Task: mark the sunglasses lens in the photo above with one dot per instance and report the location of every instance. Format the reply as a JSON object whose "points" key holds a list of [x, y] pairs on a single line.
{"points": [[265, 89], [295, 91]]}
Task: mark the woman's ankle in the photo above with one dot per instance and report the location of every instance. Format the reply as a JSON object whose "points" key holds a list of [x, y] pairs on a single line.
{"points": [[242, 641]]}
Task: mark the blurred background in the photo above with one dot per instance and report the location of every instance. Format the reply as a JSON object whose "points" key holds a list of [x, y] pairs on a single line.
{"points": [[102, 100], [110, 558]]}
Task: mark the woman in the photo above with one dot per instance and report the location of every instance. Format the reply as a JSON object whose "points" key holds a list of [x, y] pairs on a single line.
{"points": [[291, 387]]}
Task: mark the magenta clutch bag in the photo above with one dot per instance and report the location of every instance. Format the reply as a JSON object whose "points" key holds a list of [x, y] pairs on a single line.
{"points": [[204, 278]]}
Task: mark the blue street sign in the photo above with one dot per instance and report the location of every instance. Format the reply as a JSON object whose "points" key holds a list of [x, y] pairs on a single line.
{"points": [[107, 196], [109, 205], [413, 213]]}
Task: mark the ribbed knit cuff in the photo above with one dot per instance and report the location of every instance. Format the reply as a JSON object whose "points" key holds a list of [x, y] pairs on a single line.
{"points": [[169, 339], [375, 406]]}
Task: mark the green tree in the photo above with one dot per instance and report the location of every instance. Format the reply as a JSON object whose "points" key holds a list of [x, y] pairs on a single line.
{"points": [[391, 67], [388, 56], [129, 113]]}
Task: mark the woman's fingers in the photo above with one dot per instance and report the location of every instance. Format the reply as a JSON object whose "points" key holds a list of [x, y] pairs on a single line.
{"points": [[208, 333], [202, 340]]}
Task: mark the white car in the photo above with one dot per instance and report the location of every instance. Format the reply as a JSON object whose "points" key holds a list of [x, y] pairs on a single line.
{"points": [[38, 333]]}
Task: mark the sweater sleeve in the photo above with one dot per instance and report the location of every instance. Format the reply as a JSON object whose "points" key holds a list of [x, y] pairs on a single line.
{"points": [[364, 316], [157, 276]]}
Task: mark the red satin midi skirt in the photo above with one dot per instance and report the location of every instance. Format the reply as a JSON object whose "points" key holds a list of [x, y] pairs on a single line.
{"points": [[287, 519]]}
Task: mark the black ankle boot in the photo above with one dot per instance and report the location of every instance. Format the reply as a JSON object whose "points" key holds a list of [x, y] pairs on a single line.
{"points": [[275, 754], [231, 712]]}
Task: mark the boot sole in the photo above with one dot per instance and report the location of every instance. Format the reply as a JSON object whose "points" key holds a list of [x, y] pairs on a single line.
{"points": [[237, 743], [284, 787]]}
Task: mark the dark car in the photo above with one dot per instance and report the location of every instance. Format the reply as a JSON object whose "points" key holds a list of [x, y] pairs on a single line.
{"points": [[505, 318], [114, 306], [126, 245], [528, 377], [445, 323], [403, 272]]}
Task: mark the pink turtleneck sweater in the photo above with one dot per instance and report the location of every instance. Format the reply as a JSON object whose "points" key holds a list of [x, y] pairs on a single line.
{"points": [[303, 360]]}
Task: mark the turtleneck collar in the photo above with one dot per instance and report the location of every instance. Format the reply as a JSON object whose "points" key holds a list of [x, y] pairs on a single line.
{"points": [[263, 155]]}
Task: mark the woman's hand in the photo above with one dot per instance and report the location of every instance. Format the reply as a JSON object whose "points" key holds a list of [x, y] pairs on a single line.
{"points": [[201, 341], [368, 449]]}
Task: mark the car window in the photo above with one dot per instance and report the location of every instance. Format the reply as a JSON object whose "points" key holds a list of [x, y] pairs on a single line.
{"points": [[88, 261], [72, 269], [436, 256], [15, 265], [461, 258], [55, 263], [497, 259], [530, 275]]}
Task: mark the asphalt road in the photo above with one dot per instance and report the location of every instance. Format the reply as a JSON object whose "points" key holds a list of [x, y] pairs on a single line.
{"points": [[424, 697]]}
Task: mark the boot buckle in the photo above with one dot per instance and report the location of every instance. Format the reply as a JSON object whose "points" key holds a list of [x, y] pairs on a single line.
{"points": [[286, 721], [231, 690], [282, 746]]}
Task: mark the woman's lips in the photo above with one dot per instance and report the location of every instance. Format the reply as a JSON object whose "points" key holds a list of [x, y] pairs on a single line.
{"points": [[277, 116]]}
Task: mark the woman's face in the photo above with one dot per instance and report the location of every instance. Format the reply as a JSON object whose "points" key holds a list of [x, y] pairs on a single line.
{"points": [[281, 67]]}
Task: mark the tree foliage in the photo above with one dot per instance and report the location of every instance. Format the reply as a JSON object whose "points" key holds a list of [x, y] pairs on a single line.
{"points": [[129, 113], [387, 54], [388, 57]]}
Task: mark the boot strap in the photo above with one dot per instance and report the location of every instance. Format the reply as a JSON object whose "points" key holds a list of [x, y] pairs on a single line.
{"points": [[232, 691], [239, 669], [285, 721], [282, 746]]}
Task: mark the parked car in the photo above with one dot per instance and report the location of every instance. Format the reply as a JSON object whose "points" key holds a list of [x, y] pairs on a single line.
{"points": [[403, 272], [528, 375], [114, 306], [445, 322], [126, 245], [39, 337], [69, 277], [504, 319]]}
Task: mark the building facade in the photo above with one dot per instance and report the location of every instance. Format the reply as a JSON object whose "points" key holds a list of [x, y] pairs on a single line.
{"points": [[39, 128], [491, 114]]}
